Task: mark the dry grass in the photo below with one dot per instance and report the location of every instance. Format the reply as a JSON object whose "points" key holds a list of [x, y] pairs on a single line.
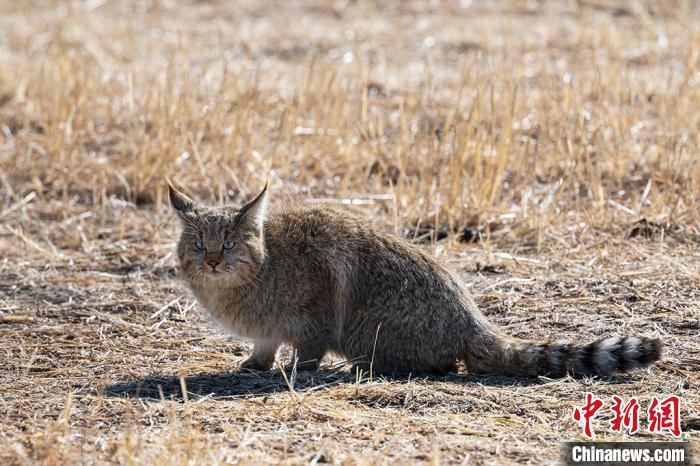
{"points": [[563, 136]]}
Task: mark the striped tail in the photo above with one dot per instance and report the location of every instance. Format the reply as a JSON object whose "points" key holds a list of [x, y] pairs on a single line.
{"points": [[498, 354]]}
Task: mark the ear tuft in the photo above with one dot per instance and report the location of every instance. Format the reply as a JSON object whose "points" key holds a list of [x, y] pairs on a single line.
{"points": [[180, 202], [255, 211]]}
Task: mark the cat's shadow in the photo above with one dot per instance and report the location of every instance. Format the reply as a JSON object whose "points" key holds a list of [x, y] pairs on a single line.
{"points": [[222, 385]]}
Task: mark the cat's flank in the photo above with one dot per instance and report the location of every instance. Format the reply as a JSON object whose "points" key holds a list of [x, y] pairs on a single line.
{"points": [[325, 280]]}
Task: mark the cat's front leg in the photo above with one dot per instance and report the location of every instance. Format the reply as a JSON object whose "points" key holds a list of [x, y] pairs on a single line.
{"points": [[263, 356]]}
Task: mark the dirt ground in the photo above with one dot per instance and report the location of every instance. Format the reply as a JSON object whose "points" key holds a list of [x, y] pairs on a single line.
{"points": [[546, 151]]}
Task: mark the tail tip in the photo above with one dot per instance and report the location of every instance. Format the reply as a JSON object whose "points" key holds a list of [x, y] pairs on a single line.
{"points": [[650, 350], [612, 355]]}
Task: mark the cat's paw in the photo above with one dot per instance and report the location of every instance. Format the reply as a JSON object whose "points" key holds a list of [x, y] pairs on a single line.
{"points": [[256, 365]]}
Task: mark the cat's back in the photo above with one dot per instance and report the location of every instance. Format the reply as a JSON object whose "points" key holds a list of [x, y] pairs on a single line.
{"points": [[334, 235], [312, 232]]}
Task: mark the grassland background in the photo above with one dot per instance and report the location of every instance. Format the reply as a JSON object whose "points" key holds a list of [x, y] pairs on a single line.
{"points": [[562, 136]]}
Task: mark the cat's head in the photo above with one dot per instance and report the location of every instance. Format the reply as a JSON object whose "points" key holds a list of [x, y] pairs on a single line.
{"points": [[223, 244]]}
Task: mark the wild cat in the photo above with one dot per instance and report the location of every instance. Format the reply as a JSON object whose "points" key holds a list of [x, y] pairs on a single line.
{"points": [[326, 280]]}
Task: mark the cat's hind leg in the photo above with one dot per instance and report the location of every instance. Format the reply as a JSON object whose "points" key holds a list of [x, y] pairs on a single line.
{"points": [[308, 354]]}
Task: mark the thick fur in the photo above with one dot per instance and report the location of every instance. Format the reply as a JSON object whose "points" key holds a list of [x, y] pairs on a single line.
{"points": [[325, 280]]}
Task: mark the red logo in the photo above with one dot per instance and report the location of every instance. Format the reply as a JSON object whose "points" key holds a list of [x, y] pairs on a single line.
{"points": [[627, 416], [586, 413], [663, 415]]}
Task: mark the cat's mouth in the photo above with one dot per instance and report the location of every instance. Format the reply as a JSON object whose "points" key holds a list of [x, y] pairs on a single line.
{"points": [[214, 273]]}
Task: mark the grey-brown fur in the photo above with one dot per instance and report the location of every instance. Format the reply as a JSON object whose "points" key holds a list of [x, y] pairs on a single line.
{"points": [[325, 280]]}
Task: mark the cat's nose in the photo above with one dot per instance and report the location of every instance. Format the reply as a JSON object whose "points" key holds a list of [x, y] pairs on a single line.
{"points": [[213, 263]]}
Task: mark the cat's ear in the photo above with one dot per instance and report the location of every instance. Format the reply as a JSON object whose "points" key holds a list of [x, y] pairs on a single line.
{"points": [[181, 203], [253, 213]]}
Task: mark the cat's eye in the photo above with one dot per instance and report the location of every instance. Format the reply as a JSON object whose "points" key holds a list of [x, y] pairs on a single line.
{"points": [[228, 245], [199, 245]]}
